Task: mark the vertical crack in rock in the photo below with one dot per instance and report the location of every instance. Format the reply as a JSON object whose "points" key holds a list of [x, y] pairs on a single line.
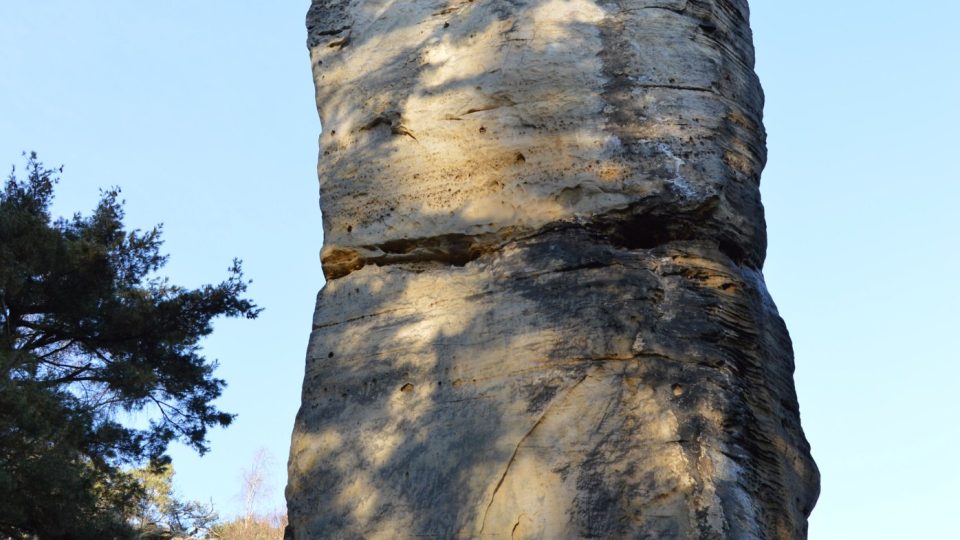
{"points": [[513, 457], [542, 223]]}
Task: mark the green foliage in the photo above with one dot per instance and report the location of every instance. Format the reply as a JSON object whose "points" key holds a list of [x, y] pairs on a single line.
{"points": [[160, 515], [251, 528], [89, 336]]}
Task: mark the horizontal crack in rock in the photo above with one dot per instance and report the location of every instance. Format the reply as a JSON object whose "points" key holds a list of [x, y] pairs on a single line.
{"points": [[642, 225]]}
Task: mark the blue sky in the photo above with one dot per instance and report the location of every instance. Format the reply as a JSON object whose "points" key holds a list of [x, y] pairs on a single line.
{"points": [[203, 113]]}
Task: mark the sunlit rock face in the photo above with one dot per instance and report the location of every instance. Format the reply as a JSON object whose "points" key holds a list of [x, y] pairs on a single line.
{"points": [[544, 315]]}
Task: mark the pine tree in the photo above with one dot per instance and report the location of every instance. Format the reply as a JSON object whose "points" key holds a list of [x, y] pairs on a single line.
{"points": [[88, 333]]}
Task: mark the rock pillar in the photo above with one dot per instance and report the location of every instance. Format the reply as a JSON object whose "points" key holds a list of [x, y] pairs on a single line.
{"points": [[544, 314]]}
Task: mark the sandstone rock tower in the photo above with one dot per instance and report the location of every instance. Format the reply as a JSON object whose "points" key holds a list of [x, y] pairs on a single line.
{"points": [[545, 315]]}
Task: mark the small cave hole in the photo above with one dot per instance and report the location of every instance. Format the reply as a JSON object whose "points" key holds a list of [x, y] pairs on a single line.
{"points": [[406, 388], [732, 250], [647, 232], [330, 354]]}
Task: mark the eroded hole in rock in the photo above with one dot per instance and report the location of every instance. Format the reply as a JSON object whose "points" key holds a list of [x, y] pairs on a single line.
{"points": [[732, 250], [340, 262], [453, 249], [340, 43], [649, 231], [406, 388]]}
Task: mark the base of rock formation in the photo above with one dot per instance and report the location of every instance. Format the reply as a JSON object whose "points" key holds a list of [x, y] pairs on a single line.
{"points": [[562, 387]]}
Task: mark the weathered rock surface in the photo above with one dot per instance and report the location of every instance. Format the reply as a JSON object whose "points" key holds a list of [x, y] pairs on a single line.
{"points": [[545, 316]]}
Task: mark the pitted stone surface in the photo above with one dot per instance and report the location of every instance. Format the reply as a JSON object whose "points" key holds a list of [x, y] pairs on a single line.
{"points": [[492, 119], [545, 316]]}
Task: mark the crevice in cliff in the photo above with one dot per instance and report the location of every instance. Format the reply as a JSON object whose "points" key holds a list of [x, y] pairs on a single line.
{"points": [[516, 450], [633, 229], [331, 32], [448, 249], [641, 226], [679, 87]]}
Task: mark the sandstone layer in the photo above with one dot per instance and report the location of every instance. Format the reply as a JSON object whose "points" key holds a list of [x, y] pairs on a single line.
{"points": [[545, 315]]}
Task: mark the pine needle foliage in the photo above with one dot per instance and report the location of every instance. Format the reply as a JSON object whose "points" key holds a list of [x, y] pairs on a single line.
{"points": [[91, 339]]}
